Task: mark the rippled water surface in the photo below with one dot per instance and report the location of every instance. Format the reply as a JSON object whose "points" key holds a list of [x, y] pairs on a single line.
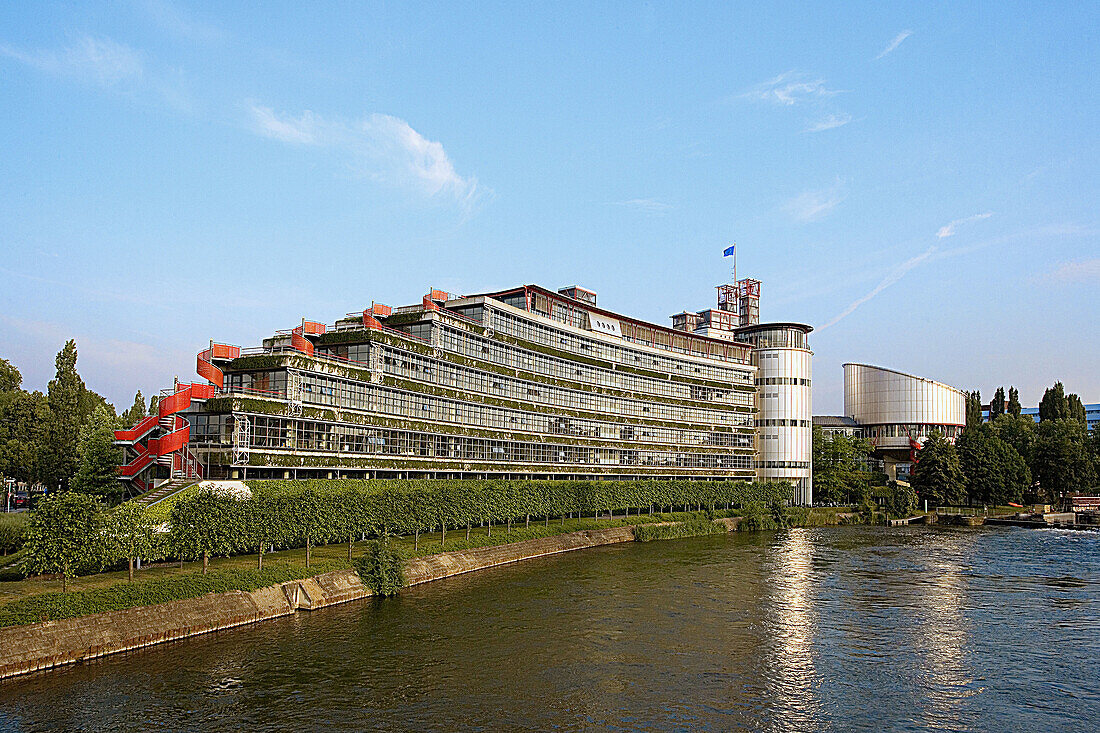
{"points": [[851, 628]]}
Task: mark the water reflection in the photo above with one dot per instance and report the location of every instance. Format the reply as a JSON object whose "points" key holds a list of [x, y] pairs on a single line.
{"points": [[823, 629]]}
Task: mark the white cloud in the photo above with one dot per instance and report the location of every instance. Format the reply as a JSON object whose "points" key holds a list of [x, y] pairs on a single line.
{"points": [[181, 23], [813, 205], [1083, 271], [790, 88], [649, 206], [386, 148], [948, 230], [830, 122], [897, 274], [895, 43], [99, 60]]}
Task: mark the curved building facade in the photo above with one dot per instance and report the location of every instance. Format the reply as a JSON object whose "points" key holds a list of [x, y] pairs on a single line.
{"points": [[898, 411], [784, 418]]}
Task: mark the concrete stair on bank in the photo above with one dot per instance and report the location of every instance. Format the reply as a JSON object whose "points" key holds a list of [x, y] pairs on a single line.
{"points": [[164, 491]]}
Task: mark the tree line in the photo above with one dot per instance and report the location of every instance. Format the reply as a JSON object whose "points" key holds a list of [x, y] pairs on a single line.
{"points": [[62, 439], [1010, 458], [72, 533]]}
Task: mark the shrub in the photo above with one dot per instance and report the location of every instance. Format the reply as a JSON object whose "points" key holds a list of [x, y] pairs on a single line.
{"points": [[13, 530], [693, 527], [382, 568], [754, 517]]}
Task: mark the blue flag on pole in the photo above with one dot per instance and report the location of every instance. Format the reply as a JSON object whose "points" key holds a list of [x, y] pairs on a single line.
{"points": [[729, 250]]}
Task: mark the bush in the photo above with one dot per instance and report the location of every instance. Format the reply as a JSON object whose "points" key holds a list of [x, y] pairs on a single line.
{"points": [[694, 527], [901, 501], [55, 606], [382, 568], [13, 530], [755, 517]]}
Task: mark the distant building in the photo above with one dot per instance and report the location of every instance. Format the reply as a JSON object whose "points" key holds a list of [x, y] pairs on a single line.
{"points": [[896, 412]]}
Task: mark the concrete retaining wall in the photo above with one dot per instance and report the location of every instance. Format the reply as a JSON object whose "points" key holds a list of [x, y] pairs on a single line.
{"points": [[52, 643]]}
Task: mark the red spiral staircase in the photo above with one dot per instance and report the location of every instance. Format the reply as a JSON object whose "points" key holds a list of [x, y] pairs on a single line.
{"points": [[162, 439]]}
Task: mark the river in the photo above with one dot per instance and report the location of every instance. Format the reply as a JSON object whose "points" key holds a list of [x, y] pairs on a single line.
{"points": [[843, 628]]}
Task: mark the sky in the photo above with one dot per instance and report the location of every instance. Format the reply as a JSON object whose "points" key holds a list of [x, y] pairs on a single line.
{"points": [[919, 181]]}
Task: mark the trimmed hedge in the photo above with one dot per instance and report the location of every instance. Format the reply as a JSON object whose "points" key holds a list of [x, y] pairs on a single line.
{"points": [[55, 606]]}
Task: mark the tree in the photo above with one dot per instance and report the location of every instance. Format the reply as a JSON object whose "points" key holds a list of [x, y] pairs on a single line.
{"points": [[937, 476], [153, 402], [10, 378], [1016, 477], [1076, 409], [973, 409], [263, 518], [59, 451], [205, 524], [1014, 402], [997, 404], [136, 413], [1016, 430], [1054, 405], [65, 536], [1061, 460], [837, 466], [131, 534], [901, 501], [97, 471], [23, 420], [994, 472]]}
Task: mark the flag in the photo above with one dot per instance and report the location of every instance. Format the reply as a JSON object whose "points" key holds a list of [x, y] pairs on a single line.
{"points": [[729, 250]]}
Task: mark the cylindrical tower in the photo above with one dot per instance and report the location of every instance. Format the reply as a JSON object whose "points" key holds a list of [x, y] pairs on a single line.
{"points": [[784, 404]]}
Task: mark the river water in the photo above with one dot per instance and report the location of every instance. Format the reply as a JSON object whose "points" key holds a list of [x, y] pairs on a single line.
{"points": [[844, 628]]}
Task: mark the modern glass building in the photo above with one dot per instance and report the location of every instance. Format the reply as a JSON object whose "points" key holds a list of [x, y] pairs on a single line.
{"points": [[897, 412]]}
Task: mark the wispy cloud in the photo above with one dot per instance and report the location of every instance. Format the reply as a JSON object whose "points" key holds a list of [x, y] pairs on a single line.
{"points": [[181, 23], [386, 148], [897, 274], [948, 230], [99, 60], [649, 206], [789, 89], [830, 122], [1082, 271], [813, 205], [894, 43]]}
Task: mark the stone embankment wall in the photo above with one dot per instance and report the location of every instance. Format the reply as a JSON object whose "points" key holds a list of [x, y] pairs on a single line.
{"points": [[53, 643]]}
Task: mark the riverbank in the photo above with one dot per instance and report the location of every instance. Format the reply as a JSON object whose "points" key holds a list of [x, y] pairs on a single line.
{"points": [[46, 644]]}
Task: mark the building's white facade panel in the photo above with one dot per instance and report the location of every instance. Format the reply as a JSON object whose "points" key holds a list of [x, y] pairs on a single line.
{"points": [[785, 416], [902, 405]]}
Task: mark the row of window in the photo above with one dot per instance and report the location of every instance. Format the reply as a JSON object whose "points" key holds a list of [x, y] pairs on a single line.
{"points": [[307, 435], [542, 333], [337, 392], [780, 422], [917, 431], [789, 381], [442, 373], [785, 464]]}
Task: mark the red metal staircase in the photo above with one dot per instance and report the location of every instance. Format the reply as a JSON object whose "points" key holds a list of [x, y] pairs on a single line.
{"points": [[162, 439]]}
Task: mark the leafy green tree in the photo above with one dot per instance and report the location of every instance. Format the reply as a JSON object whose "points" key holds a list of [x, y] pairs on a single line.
{"points": [[1076, 409], [136, 412], [937, 476], [263, 519], [838, 466], [1054, 405], [97, 471], [10, 377], [205, 524], [1015, 474], [901, 501], [59, 451], [973, 409], [997, 404], [65, 536], [994, 472], [1014, 407], [1061, 459], [23, 420], [154, 401], [130, 533], [382, 567]]}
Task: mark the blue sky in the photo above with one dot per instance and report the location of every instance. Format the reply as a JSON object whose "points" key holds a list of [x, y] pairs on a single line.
{"points": [[919, 181]]}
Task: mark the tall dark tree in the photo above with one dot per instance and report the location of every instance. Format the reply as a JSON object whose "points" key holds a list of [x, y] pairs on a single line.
{"points": [[1014, 408], [1061, 460], [973, 409], [153, 402], [1018, 431], [1076, 409], [10, 378], [937, 477], [136, 413], [997, 404], [59, 451], [994, 472], [1054, 405]]}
